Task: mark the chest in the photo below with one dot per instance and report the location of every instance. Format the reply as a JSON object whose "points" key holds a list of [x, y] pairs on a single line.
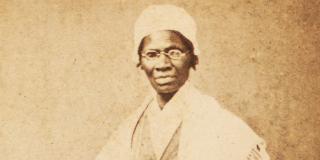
{"points": [[144, 147]]}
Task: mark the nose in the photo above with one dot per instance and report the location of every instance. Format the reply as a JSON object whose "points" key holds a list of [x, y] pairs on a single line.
{"points": [[164, 63]]}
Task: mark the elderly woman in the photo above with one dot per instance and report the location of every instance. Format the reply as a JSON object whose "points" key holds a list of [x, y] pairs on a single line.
{"points": [[177, 122]]}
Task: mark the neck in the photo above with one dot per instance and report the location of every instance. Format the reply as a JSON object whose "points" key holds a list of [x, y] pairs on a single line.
{"points": [[164, 98]]}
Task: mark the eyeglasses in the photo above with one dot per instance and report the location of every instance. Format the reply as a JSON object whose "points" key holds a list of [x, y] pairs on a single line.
{"points": [[172, 54]]}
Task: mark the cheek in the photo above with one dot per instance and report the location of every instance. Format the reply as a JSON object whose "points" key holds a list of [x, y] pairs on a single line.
{"points": [[147, 67], [184, 65]]}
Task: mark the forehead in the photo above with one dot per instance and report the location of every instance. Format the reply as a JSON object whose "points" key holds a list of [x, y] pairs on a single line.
{"points": [[163, 40]]}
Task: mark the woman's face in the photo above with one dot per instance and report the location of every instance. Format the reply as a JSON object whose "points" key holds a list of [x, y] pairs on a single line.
{"points": [[166, 75]]}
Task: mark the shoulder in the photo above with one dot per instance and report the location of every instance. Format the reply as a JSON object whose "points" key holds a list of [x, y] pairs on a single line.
{"points": [[118, 145], [219, 128], [206, 111]]}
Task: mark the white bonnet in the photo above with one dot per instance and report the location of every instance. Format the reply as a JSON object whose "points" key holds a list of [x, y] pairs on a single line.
{"points": [[164, 17]]}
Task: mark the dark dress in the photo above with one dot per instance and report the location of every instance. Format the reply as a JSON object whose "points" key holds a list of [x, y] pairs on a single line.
{"points": [[142, 145]]}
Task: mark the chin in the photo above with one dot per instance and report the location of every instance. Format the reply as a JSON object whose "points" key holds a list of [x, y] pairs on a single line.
{"points": [[166, 89]]}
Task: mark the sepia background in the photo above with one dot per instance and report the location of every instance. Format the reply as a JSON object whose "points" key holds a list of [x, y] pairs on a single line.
{"points": [[67, 79]]}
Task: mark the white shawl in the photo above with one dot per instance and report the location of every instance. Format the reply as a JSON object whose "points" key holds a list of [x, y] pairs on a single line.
{"points": [[208, 132]]}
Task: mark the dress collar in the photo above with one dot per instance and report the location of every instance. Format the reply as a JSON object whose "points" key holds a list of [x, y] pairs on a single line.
{"points": [[171, 118], [165, 122]]}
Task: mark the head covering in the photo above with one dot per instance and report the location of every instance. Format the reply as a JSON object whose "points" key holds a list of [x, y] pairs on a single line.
{"points": [[164, 17]]}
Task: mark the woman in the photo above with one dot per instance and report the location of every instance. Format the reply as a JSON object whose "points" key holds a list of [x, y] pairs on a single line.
{"points": [[177, 122]]}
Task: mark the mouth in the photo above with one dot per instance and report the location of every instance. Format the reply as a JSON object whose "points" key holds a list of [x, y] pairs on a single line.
{"points": [[165, 80]]}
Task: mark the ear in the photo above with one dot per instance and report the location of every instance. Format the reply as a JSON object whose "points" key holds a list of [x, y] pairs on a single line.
{"points": [[194, 61], [140, 66]]}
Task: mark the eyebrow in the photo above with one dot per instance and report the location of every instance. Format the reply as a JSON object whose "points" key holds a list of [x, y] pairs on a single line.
{"points": [[173, 46]]}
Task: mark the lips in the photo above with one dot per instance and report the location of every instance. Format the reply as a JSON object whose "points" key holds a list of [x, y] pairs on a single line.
{"points": [[163, 80]]}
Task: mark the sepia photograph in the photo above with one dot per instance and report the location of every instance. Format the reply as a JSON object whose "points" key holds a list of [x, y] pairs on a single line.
{"points": [[159, 80]]}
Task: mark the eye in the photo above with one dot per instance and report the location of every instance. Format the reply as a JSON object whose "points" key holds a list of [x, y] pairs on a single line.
{"points": [[152, 54], [174, 53]]}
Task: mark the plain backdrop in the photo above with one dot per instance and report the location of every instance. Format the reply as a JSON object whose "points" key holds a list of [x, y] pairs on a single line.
{"points": [[67, 79]]}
